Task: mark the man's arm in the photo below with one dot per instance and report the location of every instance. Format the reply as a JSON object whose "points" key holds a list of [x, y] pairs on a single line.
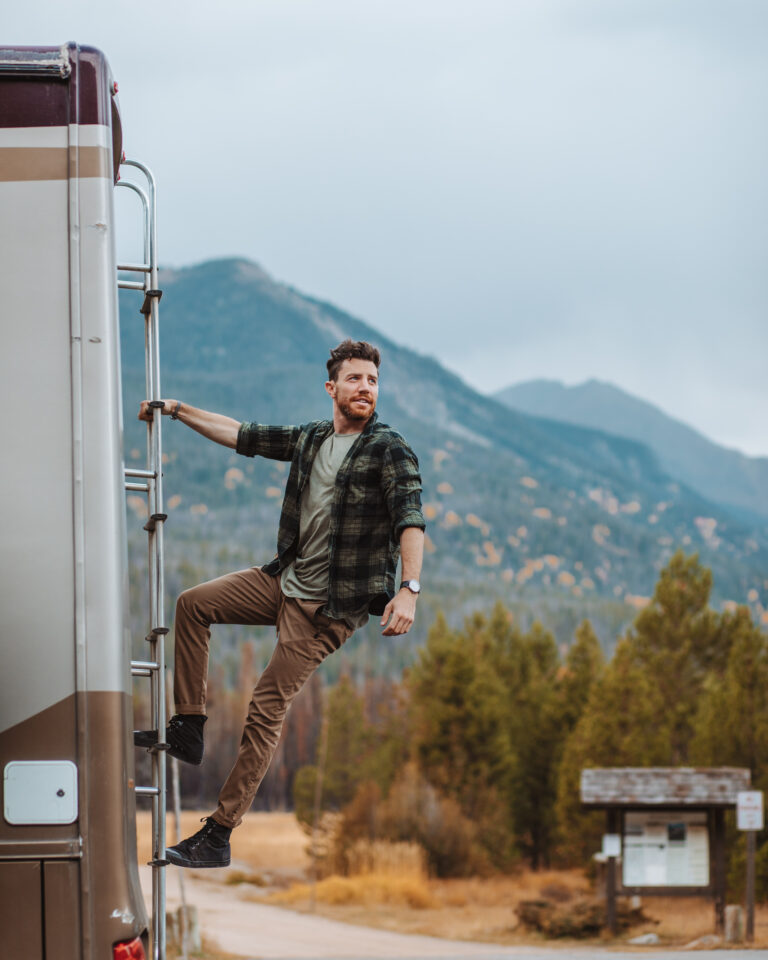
{"points": [[214, 426], [402, 607]]}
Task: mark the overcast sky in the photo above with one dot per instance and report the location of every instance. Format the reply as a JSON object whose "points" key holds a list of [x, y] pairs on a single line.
{"points": [[531, 188]]}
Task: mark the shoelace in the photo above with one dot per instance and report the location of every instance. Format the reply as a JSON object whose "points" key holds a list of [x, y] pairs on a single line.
{"points": [[202, 833]]}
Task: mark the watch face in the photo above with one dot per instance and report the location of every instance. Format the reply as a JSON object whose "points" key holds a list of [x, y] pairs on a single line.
{"points": [[413, 585]]}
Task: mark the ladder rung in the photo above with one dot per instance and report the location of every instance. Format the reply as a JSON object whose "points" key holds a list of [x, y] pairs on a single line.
{"points": [[158, 863], [137, 487], [135, 267], [144, 668], [130, 284], [141, 474], [147, 791], [153, 521], [156, 632]]}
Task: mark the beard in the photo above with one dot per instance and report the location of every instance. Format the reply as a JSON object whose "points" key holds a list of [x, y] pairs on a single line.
{"points": [[356, 413]]}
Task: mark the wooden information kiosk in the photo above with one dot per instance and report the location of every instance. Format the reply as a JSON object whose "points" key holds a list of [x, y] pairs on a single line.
{"points": [[667, 827]]}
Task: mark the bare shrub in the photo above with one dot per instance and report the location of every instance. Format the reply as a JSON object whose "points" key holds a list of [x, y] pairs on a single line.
{"points": [[415, 820], [558, 892]]}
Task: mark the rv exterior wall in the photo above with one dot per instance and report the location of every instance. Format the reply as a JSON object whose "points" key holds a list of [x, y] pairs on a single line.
{"points": [[65, 687]]}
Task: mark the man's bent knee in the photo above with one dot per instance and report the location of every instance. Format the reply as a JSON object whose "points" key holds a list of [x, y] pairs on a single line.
{"points": [[188, 603]]}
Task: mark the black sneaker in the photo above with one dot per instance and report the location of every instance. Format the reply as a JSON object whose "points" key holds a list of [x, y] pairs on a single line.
{"points": [[209, 847], [184, 736]]}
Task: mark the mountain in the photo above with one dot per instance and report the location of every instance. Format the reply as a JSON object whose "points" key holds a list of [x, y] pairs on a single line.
{"points": [[722, 475], [560, 521]]}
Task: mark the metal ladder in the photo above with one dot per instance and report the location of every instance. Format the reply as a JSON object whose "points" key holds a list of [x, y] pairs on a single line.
{"points": [[150, 482]]}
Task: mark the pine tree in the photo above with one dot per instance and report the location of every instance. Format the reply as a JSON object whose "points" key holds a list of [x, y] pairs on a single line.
{"points": [[676, 641], [583, 666], [623, 724], [348, 744], [460, 733], [732, 720], [537, 733], [458, 699], [732, 728]]}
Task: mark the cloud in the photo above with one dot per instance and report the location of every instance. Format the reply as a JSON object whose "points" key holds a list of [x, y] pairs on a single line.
{"points": [[570, 187]]}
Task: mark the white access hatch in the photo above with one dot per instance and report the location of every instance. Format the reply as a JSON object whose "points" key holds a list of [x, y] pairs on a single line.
{"points": [[40, 792]]}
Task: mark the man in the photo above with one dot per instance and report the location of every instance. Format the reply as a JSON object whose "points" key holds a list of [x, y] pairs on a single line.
{"points": [[352, 504]]}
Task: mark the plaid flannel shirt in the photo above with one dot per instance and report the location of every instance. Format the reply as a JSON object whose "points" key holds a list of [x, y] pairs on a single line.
{"points": [[377, 495]]}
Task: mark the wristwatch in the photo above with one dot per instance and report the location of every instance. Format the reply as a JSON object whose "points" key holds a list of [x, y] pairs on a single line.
{"points": [[413, 585]]}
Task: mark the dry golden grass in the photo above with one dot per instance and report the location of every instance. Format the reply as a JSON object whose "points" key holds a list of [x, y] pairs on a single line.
{"points": [[510, 890], [380, 873], [387, 859], [236, 877], [682, 919], [369, 889]]}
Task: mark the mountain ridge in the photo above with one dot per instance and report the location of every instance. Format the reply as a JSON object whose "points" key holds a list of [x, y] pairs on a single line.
{"points": [[719, 473]]}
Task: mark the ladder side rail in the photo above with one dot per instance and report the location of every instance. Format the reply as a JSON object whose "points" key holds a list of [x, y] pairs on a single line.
{"points": [[155, 684], [154, 668], [158, 630], [153, 320], [147, 230]]}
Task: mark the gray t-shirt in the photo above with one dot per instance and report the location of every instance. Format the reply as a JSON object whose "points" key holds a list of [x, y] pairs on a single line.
{"points": [[306, 578]]}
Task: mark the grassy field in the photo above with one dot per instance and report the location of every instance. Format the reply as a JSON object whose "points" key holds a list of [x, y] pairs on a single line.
{"points": [[269, 854]]}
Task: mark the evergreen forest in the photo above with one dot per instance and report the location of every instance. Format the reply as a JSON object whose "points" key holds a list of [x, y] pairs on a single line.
{"points": [[475, 751]]}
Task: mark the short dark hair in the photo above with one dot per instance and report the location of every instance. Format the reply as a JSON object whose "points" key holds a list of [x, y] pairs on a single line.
{"points": [[351, 350]]}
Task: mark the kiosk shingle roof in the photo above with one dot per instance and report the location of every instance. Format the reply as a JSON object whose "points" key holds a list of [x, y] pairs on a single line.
{"points": [[663, 786]]}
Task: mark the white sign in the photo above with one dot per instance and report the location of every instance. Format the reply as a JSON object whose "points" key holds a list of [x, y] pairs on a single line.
{"points": [[611, 845], [666, 849], [749, 810]]}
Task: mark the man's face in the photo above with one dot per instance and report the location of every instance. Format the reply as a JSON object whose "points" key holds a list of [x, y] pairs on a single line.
{"points": [[356, 389]]}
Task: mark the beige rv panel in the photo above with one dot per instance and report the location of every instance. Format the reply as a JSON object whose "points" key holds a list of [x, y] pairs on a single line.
{"points": [[37, 582], [37, 576]]}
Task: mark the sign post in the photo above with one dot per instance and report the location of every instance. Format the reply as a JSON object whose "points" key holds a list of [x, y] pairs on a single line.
{"points": [[612, 850], [749, 817]]}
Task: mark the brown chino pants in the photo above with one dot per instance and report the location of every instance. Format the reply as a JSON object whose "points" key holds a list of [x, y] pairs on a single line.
{"points": [[305, 637]]}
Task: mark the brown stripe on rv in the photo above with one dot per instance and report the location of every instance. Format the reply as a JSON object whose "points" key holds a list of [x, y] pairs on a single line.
{"points": [[52, 163], [110, 897]]}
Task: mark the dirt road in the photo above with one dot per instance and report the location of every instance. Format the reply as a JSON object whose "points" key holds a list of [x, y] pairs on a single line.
{"points": [[260, 932]]}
